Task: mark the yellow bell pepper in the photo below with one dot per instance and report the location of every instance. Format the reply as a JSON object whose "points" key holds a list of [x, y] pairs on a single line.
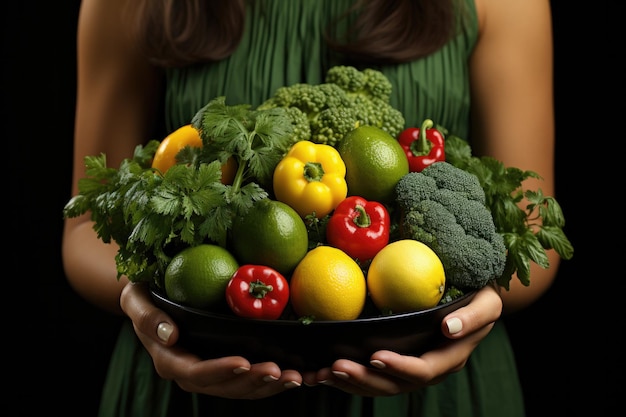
{"points": [[311, 178]]}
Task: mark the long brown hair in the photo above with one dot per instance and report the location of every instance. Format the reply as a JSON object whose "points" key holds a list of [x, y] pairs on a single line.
{"points": [[183, 32]]}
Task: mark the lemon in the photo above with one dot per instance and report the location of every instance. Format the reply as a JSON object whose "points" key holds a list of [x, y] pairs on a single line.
{"points": [[406, 275], [328, 285], [197, 276], [271, 233], [375, 162]]}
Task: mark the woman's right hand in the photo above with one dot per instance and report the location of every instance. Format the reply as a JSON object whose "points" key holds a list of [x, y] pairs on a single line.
{"points": [[229, 377]]}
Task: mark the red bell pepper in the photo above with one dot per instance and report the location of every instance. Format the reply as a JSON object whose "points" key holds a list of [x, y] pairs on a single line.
{"points": [[258, 292], [422, 146], [359, 227]]}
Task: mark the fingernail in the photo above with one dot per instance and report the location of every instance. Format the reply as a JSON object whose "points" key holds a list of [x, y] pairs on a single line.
{"points": [[269, 378], [378, 364], [341, 375], [164, 331], [291, 384], [455, 325], [327, 382], [240, 370]]}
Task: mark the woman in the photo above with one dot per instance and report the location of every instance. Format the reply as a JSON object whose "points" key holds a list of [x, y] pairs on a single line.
{"points": [[160, 61]]}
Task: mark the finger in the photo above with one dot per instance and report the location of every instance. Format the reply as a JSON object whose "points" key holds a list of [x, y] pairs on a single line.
{"points": [[147, 319], [261, 380], [354, 378], [310, 378], [432, 366], [485, 308]]}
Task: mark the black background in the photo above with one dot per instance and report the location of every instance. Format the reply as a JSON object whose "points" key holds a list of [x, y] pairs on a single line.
{"points": [[569, 345]]}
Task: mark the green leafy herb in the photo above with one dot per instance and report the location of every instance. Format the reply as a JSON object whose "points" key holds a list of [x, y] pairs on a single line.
{"points": [[258, 139], [528, 232], [152, 217]]}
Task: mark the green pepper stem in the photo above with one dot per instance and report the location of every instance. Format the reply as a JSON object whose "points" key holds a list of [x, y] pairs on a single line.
{"points": [[313, 171], [362, 219], [259, 289], [422, 145]]}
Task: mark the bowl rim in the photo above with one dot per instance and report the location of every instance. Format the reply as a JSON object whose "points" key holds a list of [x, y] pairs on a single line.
{"points": [[365, 320]]}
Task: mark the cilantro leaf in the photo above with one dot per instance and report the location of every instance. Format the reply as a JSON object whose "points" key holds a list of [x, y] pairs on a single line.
{"points": [[153, 216]]}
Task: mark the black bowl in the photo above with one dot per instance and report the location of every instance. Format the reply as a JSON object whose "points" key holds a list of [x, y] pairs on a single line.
{"points": [[295, 345]]}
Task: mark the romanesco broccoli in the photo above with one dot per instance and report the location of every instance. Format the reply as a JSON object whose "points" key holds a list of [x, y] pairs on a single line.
{"points": [[444, 207], [347, 99]]}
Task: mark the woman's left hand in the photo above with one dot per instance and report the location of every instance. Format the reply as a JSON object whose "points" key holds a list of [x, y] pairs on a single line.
{"points": [[392, 373]]}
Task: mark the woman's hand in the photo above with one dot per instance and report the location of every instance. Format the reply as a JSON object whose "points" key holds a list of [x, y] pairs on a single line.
{"points": [[235, 377], [228, 377], [393, 373]]}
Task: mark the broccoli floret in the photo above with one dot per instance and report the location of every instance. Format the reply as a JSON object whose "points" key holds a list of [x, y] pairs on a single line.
{"points": [[305, 97], [369, 82], [382, 115], [330, 125], [335, 96], [347, 99], [444, 207], [300, 124], [369, 92], [321, 113]]}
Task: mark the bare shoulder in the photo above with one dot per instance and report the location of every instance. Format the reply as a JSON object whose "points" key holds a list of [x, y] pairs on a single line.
{"points": [[524, 15], [118, 88], [101, 28]]}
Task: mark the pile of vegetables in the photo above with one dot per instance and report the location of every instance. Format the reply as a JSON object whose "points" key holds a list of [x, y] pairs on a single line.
{"points": [[464, 207]]}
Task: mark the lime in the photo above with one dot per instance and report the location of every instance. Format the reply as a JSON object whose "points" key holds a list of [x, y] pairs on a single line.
{"points": [[197, 276], [271, 233], [375, 162]]}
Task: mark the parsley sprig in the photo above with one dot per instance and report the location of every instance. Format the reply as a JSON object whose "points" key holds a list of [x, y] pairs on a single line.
{"points": [[528, 232], [152, 217]]}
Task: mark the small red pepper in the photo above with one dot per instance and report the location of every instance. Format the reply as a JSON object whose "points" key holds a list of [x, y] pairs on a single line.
{"points": [[422, 146], [258, 292], [359, 227]]}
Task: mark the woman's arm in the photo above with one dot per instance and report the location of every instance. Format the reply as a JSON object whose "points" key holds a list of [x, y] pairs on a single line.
{"points": [[513, 107], [116, 106]]}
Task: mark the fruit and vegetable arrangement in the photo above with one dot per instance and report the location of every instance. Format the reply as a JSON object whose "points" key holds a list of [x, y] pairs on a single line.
{"points": [[319, 204]]}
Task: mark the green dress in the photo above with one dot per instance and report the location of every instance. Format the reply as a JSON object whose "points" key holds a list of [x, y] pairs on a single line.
{"points": [[282, 45]]}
